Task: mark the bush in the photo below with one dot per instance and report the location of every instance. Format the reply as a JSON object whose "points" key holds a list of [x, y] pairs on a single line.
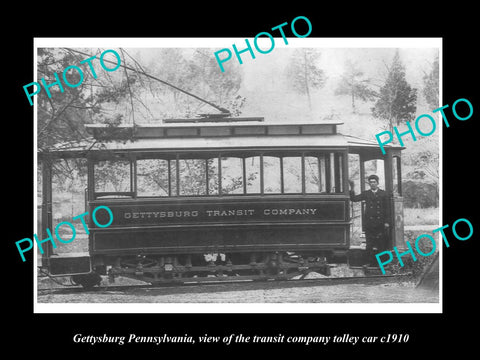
{"points": [[416, 268], [419, 194]]}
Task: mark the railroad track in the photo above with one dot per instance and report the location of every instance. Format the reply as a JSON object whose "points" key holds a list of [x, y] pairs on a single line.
{"points": [[219, 284]]}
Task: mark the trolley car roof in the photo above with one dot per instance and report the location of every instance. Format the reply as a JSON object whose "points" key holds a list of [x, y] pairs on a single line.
{"points": [[214, 143], [241, 134]]}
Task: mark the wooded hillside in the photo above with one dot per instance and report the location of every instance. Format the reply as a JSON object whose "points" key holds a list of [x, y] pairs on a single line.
{"points": [[370, 90]]}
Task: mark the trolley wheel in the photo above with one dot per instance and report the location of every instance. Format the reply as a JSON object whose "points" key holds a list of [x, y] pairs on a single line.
{"points": [[87, 281]]}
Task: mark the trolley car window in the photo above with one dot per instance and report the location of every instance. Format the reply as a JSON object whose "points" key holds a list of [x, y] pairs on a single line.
{"points": [[232, 175], [225, 174], [252, 175], [272, 177], [173, 191], [315, 174], [334, 173], [292, 174], [338, 173], [212, 176], [152, 177], [193, 178], [113, 178]]}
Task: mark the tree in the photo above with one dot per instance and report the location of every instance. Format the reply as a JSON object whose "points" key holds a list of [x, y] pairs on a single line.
{"points": [[397, 99], [304, 74], [354, 84], [128, 95], [222, 88], [131, 94], [62, 116], [196, 73], [431, 85]]}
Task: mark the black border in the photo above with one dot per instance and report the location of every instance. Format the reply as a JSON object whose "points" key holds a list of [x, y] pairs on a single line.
{"points": [[429, 333]]}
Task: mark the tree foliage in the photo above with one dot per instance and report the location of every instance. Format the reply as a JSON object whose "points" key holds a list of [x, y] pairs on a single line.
{"points": [[61, 117], [196, 73], [397, 99], [126, 95], [303, 72], [354, 84], [431, 85]]}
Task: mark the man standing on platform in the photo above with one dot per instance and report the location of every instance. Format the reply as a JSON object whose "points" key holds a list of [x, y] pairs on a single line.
{"points": [[377, 217]]}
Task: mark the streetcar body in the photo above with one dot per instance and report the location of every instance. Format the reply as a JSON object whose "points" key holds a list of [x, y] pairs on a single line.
{"points": [[234, 196]]}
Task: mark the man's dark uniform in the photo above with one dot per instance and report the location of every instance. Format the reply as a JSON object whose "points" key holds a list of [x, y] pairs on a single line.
{"points": [[377, 214]]}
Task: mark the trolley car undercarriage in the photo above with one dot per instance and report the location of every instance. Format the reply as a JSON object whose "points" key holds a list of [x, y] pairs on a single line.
{"points": [[254, 266]]}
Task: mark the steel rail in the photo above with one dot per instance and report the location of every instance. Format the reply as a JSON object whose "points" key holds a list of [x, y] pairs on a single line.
{"points": [[222, 285]]}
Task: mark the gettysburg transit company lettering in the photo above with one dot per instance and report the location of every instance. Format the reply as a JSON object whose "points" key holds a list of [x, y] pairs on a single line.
{"points": [[214, 213], [150, 214]]}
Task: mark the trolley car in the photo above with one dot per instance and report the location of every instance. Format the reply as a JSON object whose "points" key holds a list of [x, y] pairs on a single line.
{"points": [[217, 196]]}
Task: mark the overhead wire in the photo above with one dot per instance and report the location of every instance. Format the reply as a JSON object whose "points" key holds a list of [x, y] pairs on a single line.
{"points": [[223, 110]]}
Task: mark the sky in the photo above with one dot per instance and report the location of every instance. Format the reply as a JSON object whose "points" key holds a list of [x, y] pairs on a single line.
{"points": [[269, 95], [264, 85]]}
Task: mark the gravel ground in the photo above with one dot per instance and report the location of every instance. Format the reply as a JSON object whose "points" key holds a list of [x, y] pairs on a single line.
{"points": [[318, 294], [404, 292], [348, 293]]}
